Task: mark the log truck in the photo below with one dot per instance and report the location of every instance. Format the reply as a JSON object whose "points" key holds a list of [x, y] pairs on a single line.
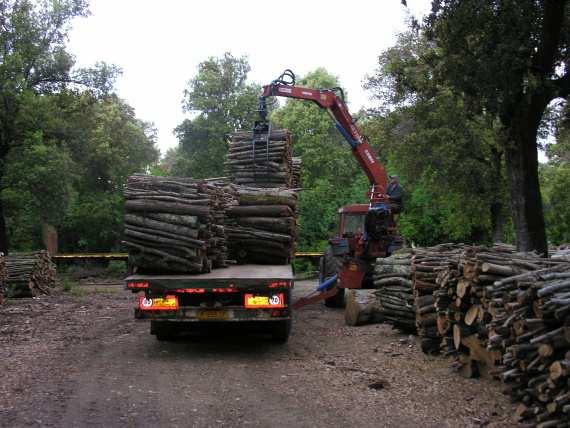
{"points": [[366, 231]]}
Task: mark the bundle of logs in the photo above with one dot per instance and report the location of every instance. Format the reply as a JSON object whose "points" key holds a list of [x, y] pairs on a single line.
{"points": [[29, 274], [262, 227], [296, 171], [263, 162], [498, 312], [391, 301], [530, 329], [465, 308], [430, 267], [176, 224]]}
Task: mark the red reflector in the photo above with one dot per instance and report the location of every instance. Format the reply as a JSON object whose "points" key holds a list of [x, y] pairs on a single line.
{"points": [[167, 303], [280, 284], [273, 301], [137, 285], [225, 290], [190, 290]]}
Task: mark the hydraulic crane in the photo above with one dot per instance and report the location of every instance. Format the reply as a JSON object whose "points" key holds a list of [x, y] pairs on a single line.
{"points": [[357, 247]]}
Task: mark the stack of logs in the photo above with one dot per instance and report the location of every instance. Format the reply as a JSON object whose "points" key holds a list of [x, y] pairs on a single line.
{"points": [[29, 274], [465, 309], [530, 329], [430, 267], [296, 178], [264, 162], [176, 224], [392, 278], [262, 228], [390, 301]]}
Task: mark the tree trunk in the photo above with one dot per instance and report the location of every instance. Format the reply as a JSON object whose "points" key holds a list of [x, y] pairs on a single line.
{"points": [[522, 174], [497, 206]]}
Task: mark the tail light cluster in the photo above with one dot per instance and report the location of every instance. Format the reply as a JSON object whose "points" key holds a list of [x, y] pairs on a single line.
{"points": [[136, 286], [280, 284]]}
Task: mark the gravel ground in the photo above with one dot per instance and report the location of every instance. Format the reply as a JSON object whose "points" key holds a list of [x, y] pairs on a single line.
{"points": [[80, 359]]}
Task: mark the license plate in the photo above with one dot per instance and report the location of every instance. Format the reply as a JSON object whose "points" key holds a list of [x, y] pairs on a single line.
{"points": [[212, 315], [253, 301]]}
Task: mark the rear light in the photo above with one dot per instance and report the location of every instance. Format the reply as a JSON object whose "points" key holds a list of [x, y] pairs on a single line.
{"points": [[273, 301], [166, 303], [137, 285], [280, 284], [190, 290]]}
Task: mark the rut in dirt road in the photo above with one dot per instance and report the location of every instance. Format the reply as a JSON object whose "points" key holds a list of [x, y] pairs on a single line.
{"points": [[84, 361]]}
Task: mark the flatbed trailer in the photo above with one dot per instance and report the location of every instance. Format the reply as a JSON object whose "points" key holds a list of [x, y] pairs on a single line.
{"points": [[248, 293]]}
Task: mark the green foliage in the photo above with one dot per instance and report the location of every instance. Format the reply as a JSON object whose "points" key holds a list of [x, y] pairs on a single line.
{"points": [[554, 181], [330, 175], [446, 157], [221, 101], [70, 168], [507, 59]]}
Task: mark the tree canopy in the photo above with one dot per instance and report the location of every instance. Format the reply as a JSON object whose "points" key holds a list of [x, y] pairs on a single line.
{"points": [[221, 101]]}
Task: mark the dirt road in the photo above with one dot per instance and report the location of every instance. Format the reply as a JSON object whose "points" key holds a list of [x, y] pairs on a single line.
{"points": [[80, 359]]}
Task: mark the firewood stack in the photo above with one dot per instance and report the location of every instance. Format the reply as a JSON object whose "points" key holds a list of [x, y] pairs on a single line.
{"points": [[265, 162], [472, 312], [430, 267], [296, 179], [29, 274], [262, 228], [531, 327], [175, 224], [392, 278]]}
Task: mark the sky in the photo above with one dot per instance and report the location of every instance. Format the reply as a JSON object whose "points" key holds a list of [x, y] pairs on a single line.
{"points": [[159, 44]]}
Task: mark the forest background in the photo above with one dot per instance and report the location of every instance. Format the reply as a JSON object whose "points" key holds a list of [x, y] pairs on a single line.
{"points": [[450, 99]]}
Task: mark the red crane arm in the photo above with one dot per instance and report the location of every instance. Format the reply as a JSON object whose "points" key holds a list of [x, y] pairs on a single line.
{"points": [[328, 99]]}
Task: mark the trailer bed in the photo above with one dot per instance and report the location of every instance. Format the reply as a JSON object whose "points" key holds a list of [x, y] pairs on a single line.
{"points": [[239, 275]]}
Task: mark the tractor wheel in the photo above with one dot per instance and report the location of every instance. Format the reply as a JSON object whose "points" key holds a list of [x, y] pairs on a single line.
{"points": [[329, 265]]}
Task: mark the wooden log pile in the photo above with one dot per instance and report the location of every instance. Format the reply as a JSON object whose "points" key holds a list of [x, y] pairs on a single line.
{"points": [[175, 224], [430, 267], [29, 274], [530, 327], [471, 313], [265, 162], [262, 227], [296, 173], [392, 278]]}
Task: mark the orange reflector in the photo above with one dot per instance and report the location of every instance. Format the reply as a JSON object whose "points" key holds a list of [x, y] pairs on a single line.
{"points": [[137, 285], [167, 303], [274, 301]]}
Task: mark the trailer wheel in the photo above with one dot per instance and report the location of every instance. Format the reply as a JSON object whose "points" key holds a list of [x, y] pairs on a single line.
{"points": [[329, 265], [280, 331], [163, 330]]}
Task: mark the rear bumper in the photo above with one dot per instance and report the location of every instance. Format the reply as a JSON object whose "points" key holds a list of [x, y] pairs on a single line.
{"points": [[230, 314]]}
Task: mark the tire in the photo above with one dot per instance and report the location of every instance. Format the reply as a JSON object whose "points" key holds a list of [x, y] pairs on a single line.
{"points": [[330, 265], [163, 330], [280, 331]]}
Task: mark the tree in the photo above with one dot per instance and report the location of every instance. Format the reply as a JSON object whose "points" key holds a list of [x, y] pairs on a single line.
{"points": [[509, 59], [446, 156], [70, 169], [34, 63], [222, 102]]}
